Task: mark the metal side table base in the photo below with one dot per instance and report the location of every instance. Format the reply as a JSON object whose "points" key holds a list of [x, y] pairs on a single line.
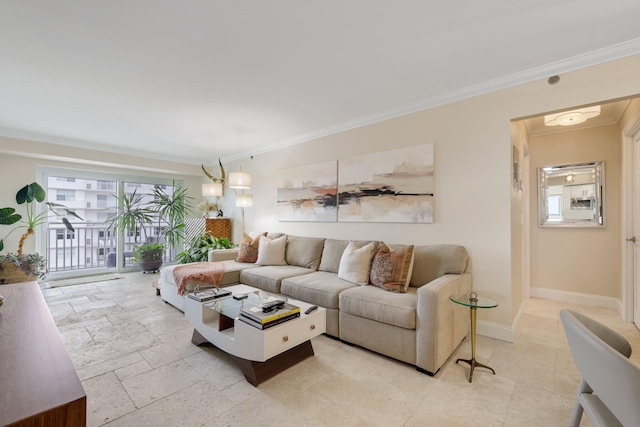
{"points": [[473, 302], [473, 364]]}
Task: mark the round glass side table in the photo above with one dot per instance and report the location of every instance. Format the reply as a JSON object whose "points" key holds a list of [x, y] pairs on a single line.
{"points": [[473, 301]]}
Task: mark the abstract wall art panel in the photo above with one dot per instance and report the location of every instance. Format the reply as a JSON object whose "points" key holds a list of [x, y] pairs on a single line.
{"points": [[308, 193], [389, 186]]}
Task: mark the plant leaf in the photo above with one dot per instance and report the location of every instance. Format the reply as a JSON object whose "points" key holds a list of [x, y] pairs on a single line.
{"points": [[38, 192], [8, 217]]}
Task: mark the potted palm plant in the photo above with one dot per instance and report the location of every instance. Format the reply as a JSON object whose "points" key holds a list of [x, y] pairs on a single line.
{"points": [[166, 210], [20, 267]]}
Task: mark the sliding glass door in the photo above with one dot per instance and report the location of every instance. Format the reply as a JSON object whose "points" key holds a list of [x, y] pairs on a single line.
{"points": [[93, 248]]}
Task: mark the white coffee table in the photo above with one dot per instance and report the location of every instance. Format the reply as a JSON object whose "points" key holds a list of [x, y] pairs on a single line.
{"points": [[260, 354]]}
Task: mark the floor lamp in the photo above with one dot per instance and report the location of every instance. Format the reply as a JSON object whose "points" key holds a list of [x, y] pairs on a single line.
{"points": [[241, 181]]}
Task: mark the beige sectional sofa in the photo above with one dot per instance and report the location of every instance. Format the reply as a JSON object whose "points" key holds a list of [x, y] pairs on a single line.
{"points": [[420, 326]]}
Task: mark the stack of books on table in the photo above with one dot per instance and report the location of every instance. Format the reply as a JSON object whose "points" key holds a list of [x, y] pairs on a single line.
{"points": [[255, 316]]}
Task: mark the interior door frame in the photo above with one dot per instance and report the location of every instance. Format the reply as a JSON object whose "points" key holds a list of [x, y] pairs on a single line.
{"points": [[628, 137]]}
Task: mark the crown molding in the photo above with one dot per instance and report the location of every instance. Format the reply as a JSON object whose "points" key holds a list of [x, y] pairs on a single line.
{"points": [[599, 56]]}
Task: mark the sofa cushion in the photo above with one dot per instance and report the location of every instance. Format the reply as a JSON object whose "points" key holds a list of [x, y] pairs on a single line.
{"points": [[332, 253], [377, 304], [391, 267], [304, 251], [271, 251], [268, 278], [249, 248], [434, 261], [319, 288], [355, 263]]}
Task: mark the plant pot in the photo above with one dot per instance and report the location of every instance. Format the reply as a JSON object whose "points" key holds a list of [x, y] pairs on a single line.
{"points": [[11, 273], [151, 261]]}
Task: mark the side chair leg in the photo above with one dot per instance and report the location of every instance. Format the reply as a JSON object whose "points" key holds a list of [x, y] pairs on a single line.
{"points": [[577, 409]]}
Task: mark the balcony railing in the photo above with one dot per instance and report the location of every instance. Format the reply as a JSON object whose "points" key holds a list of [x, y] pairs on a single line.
{"points": [[91, 246]]}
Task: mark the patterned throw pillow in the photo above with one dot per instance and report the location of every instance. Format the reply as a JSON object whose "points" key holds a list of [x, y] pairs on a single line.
{"points": [[391, 268], [249, 248]]}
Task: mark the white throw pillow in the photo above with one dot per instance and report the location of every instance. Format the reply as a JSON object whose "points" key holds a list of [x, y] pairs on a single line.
{"points": [[271, 251], [355, 263]]}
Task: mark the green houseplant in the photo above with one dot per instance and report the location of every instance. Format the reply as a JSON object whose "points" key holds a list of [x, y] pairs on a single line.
{"points": [[167, 210], [199, 247], [31, 265]]}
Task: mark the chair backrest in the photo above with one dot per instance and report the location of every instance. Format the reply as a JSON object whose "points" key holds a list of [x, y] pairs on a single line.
{"points": [[601, 357]]}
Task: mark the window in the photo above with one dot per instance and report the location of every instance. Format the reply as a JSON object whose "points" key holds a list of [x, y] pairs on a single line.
{"points": [[103, 201], [65, 195], [106, 185], [60, 234], [91, 195]]}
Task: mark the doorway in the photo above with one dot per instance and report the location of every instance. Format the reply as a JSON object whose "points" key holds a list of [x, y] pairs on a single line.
{"points": [[631, 217], [615, 288]]}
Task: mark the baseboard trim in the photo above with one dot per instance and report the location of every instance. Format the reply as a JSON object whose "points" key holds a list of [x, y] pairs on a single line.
{"points": [[577, 298], [493, 330]]}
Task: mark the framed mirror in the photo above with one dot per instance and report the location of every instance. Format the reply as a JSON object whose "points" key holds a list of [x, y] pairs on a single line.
{"points": [[571, 195]]}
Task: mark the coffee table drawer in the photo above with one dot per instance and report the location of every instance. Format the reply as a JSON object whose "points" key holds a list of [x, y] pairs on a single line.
{"points": [[288, 335]]}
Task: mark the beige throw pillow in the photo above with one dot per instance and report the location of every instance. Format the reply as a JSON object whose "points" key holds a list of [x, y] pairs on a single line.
{"points": [[272, 251], [391, 268], [355, 263]]}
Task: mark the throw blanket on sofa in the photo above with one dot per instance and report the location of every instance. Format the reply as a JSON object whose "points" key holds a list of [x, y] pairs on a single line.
{"points": [[207, 272]]}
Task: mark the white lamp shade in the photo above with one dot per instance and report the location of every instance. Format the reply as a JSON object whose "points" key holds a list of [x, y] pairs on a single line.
{"points": [[212, 189], [239, 180], [573, 117], [244, 200]]}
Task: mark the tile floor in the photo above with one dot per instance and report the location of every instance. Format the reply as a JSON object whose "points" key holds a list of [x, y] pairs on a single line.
{"points": [[138, 367]]}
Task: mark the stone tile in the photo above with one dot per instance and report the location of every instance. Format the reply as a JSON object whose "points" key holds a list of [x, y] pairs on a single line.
{"points": [[195, 405], [106, 399], [133, 369], [99, 353], [169, 352], [109, 365], [159, 383]]}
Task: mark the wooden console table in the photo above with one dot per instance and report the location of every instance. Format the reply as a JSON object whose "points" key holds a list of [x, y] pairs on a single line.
{"points": [[38, 384], [219, 227]]}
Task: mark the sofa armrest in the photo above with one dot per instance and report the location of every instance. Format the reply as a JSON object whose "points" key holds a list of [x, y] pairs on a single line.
{"points": [[223, 254], [441, 324]]}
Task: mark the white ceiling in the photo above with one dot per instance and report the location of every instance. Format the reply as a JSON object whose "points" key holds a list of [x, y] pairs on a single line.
{"points": [[194, 80]]}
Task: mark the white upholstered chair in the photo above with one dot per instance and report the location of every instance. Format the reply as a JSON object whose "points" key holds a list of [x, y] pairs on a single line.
{"points": [[610, 389]]}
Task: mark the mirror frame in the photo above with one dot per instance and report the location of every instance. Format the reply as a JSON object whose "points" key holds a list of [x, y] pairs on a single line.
{"points": [[588, 209]]}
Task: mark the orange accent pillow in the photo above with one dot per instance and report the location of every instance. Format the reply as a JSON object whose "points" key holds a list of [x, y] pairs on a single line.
{"points": [[391, 268], [249, 248]]}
